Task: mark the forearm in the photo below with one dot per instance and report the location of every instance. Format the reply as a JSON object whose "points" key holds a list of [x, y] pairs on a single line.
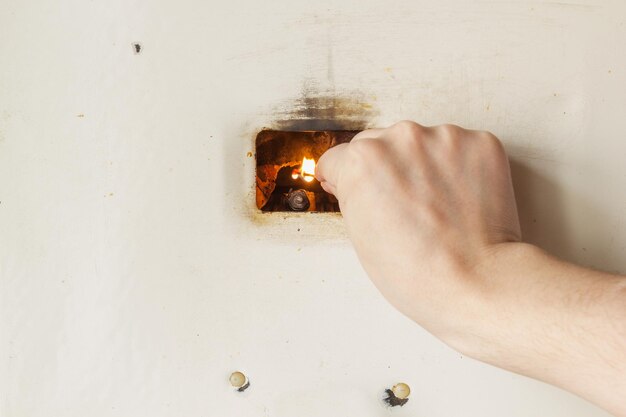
{"points": [[550, 320]]}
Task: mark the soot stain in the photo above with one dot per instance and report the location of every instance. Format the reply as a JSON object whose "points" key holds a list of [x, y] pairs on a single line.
{"points": [[321, 110], [318, 109]]}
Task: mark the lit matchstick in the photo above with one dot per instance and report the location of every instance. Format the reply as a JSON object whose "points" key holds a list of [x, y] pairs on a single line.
{"points": [[306, 171]]}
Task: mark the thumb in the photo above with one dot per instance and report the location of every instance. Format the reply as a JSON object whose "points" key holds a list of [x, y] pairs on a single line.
{"points": [[328, 167]]}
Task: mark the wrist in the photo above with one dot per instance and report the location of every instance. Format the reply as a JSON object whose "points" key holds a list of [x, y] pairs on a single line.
{"points": [[486, 296]]}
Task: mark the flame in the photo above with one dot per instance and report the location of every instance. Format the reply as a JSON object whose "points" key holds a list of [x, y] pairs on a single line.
{"points": [[308, 169]]}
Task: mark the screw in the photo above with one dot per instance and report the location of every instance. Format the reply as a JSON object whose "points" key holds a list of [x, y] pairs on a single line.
{"points": [[298, 200], [401, 390], [239, 380], [398, 394]]}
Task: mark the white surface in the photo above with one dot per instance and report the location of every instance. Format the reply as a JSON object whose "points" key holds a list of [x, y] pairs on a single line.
{"points": [[134, 277]]}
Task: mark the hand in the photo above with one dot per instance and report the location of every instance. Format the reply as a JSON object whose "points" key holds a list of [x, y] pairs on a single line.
{"points": [[432, 216], [423, 206]]}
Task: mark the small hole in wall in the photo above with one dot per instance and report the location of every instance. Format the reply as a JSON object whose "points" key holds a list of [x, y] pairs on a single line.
{"points": [[285, 167]]}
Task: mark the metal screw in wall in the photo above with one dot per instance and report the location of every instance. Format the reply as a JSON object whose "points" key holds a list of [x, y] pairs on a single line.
{"points": [[398, 394], [298, 200], [239, 380]]}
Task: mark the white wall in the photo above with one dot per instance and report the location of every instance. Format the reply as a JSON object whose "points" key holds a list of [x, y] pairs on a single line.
{"points": [[135, 274]]}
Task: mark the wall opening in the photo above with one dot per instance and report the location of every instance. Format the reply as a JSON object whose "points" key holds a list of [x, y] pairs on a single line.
{"points": [[284, 173]]}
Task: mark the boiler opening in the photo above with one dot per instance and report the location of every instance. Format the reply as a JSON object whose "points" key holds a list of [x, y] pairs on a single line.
{"points": [[285, 163]]}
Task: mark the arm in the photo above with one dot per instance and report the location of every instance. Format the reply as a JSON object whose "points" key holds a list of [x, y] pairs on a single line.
{"points": [[431, 213]]}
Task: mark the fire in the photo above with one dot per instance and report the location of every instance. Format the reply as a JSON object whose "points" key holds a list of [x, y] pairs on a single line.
{"points": [[306, 171]]}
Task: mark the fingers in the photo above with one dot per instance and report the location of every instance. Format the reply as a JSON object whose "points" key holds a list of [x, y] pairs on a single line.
{"points": [[329, 164], [327, 168], [329, 188]]}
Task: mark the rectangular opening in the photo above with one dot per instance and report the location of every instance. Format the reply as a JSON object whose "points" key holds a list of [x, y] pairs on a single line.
{"points": [[284, 169]]}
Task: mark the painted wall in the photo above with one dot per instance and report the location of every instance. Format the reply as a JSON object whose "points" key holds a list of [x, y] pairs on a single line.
{"points": [[135, 274]]}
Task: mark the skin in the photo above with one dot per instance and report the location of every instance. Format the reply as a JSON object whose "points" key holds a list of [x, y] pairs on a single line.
{"points": [[432, 216]]}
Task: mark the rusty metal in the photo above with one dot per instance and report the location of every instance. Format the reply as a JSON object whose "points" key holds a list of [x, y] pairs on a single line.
{"points": [[298, 200]]}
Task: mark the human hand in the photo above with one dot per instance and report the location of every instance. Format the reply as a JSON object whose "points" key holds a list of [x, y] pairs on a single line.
{"points": [[423, 206], [431, 213]]}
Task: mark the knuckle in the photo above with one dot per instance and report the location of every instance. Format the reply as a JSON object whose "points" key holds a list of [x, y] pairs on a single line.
{"points": [[408, 135], [408, 128], [450, 136], [491, 143], [449, 131], [493, 152]]}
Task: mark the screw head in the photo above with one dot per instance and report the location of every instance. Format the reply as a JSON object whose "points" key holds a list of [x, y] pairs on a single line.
{"points": [[237, 379], [298, 200], [401, 390]]}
